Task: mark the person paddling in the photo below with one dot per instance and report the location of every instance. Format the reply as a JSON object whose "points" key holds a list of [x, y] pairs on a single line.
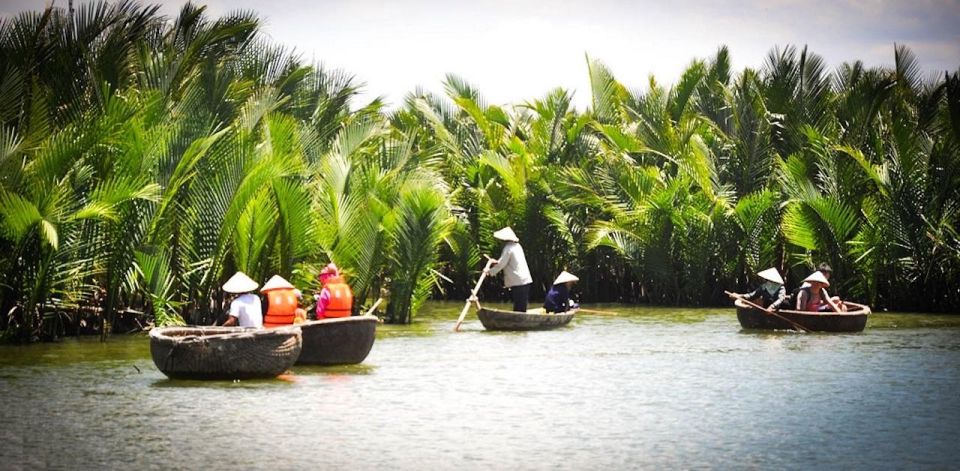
{"points": [[245, 309], [513, 264], [771, 293], [558, 297]]}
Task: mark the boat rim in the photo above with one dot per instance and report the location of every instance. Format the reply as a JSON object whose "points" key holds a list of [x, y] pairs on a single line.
{"points": [[159, 333], [862, 310], [337, 320], [499, 311]]}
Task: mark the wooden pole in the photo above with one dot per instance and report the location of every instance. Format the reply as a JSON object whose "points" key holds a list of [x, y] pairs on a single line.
{"points": [[602, 313], [370, 311], [768, 311], [476, 289]]}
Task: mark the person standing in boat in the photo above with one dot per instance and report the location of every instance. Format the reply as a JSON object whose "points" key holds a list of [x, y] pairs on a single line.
{"points": [[771, 293], [336, 298], [558, 297], [812, 295], [245, 309], [513, 264]]}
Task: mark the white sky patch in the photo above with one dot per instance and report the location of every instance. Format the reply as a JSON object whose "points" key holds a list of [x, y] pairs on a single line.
{"points": [[518, 51]]}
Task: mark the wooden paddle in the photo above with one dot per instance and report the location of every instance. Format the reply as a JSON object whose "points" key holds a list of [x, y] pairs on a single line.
{"points": [[768, 311], [602, 313], [473, 293], [370, 311]]}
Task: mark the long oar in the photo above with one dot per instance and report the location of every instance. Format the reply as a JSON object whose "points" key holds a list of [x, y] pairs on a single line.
{"points": [[473, 293], [768, 311], [602, 313], [370, 311]]}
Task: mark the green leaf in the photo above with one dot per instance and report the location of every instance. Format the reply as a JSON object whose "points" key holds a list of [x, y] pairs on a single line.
{"points": [[18, 215]]}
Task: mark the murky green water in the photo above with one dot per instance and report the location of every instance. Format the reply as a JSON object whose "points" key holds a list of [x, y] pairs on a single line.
{"points": [[662, 388]]}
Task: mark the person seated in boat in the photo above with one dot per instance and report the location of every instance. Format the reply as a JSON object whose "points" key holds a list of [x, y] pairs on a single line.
{"points": [[245, 308], [827, 272], [558, 297], [513, 264], [835, 300], [283, 302], [812, 296], [771, 294], [336, 298]]}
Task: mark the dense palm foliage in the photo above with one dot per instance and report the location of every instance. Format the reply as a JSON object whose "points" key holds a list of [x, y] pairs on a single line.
{"points": [[145, 159]]}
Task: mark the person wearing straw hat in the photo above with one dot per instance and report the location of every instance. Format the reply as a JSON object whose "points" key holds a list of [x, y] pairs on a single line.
{"points": [[245, 309], [558, 297], [771, 293], [827, 272], [513, 264], [282, 302], [812, 296]]}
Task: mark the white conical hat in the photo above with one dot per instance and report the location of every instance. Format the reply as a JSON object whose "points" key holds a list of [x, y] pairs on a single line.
{"points": [[276, 282], [771, 274], [564, 277], [240, 283], [817, 277], [506, 234]]}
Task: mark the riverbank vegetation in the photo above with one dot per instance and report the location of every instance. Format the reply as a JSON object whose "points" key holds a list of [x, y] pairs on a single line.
{"points": [[144, 159]]}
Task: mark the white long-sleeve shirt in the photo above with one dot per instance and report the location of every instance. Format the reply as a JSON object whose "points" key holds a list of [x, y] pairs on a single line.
{"points": [[514, 266]]}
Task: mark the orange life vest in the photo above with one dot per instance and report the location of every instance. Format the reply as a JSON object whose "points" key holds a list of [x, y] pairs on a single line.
{"points": [[281, 307], [341, 298]]}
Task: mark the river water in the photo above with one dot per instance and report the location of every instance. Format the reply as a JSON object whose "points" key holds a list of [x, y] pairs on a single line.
{"points": [[649, 388]]}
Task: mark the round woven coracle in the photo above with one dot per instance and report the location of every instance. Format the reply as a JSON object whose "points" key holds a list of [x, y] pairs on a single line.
{"points": [[337, 341], [495, 319], [224, 352]]}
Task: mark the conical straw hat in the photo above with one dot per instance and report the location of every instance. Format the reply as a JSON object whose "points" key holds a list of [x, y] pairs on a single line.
{"points": [[240, 283], [565, 277], [506, 234], [771, 274], [276, 282], [817, 277]]}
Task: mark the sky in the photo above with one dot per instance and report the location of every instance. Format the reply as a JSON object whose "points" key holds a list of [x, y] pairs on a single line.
{"points": [[515, 51]]}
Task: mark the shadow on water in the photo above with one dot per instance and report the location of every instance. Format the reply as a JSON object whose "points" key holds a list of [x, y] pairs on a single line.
{"points": [[352, 370], [295, 375], [222, 384], [761, 333]]}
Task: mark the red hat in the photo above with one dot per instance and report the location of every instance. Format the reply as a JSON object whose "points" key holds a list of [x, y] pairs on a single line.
{"points": [[329, 270]]}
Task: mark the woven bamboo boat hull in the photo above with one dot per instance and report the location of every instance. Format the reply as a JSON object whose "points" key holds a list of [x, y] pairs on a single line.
{"points": [[337, 341], [224, 352], [854, 320], [494, 319]]}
